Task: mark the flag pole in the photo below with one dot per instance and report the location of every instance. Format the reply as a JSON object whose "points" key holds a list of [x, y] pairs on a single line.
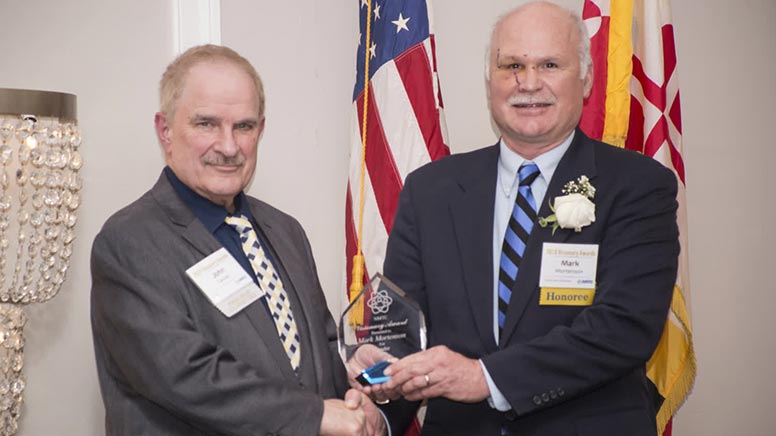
{"points": [[357, 274]]}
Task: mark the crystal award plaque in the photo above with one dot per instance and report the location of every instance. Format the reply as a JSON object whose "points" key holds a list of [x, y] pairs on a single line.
{"points": [[384, 316]]}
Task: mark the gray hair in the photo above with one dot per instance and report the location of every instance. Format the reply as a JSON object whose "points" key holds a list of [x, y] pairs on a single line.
{"points": [[585, 59], [174, 77]]}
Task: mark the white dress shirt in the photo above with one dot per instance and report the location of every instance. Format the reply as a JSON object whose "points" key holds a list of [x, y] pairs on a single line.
{"points": [[506, 191]]}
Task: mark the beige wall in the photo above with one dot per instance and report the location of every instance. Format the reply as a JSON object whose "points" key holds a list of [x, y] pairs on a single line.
{"points": [[111, 54], [727, 52]]}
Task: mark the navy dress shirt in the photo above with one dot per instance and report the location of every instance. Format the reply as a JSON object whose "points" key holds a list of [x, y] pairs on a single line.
{"points": [[212, 217]]}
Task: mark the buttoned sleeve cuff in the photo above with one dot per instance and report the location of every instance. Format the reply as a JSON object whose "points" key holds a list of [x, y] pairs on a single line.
{"points": [[496, 400]]}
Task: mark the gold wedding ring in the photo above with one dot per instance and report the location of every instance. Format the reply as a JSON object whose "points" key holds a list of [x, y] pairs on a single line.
{"points": [[382, 402], [428, 379]]}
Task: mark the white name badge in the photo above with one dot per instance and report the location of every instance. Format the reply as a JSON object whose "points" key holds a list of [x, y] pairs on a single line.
{"points": [[224, 282], [568, 266]]}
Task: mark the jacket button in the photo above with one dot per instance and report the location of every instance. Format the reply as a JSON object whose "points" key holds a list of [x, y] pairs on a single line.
{"points": [[510, 415], [553, 394], [545, 397], [561, 392], [537, 400]]}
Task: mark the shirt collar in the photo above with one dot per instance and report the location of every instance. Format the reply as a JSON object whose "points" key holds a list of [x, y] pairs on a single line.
{"points": [[509, 162], [210, 214]]}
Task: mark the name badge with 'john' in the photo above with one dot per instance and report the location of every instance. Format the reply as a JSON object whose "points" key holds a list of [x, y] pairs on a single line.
{"points": [[224, 282]]}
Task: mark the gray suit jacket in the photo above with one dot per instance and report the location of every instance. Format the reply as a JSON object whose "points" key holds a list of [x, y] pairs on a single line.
{"points": [[170, 363]]}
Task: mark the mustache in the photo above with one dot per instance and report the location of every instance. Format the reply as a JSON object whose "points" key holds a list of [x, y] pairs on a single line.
{"points": [[221, 160], [522, 100]]}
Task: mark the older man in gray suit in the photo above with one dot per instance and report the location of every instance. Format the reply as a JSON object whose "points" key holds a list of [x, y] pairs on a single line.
{"points": [[207, 314]]}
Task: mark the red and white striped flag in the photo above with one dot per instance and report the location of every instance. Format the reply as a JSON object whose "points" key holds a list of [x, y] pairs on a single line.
{"points": [[397, 126], [635, 104]]}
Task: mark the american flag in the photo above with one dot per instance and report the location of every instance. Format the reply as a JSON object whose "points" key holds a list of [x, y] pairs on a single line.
{"points": [[397, 126], [635, 104], [404, 123]]}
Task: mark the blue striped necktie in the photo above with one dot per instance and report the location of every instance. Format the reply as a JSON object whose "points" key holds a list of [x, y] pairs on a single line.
{"points": [[515, 238]]}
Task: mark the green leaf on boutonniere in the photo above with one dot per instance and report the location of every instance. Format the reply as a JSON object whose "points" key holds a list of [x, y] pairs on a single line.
{"points": [[549, 220]]}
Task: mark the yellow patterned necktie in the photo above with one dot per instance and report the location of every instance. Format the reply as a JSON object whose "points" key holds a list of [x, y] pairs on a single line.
{"points": [[270, 283]]}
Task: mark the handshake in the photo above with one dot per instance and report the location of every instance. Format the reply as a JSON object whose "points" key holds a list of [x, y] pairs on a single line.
{"points": [[436, 372], [357, 413]]}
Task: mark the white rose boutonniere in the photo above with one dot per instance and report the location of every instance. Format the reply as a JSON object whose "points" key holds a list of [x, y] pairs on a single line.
{"points": [[573, 210]]}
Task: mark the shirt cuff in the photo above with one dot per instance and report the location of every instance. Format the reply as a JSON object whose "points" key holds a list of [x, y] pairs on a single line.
{"points": [[496, 400]]}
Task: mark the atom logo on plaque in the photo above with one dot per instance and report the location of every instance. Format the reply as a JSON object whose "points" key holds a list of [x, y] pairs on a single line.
{"points": [[380, 302]]}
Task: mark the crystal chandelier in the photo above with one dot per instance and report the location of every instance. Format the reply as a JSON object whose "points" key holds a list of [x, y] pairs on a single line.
{"points": [[39, 196]]}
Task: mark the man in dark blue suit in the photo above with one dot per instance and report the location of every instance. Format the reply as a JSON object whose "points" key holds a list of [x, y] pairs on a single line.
{"points": [[536, 330]]}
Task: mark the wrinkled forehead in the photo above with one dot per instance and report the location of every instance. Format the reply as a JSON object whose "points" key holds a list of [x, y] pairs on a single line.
{"points": [[531, 33]]}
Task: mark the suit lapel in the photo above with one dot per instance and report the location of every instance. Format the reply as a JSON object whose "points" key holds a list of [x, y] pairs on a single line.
{"points": [[472, 215], [578, 160], [193, 232]]}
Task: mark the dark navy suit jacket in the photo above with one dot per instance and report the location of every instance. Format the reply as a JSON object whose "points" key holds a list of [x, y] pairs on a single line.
{"points": [[565, 370]]}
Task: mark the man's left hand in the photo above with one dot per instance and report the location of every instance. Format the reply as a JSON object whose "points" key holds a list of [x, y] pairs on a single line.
{"points": [[438, 372]]}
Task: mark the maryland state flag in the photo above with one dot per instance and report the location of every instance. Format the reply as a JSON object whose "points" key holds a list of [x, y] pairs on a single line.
{"points": [[635, 104]]}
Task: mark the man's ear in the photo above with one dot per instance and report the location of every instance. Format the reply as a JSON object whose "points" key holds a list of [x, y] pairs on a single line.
{"points": [[162, 130], [588, 81], [261, 125]]}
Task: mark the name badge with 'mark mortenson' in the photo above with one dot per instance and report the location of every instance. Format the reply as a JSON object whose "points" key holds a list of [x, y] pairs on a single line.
{"points": [[567, 275]]}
